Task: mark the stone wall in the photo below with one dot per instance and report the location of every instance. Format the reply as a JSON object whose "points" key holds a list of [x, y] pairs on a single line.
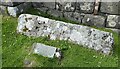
{"points": [[99, 14]]}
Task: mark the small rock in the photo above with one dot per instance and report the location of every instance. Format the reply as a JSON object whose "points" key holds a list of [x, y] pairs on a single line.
{"points": [[27, 62]]}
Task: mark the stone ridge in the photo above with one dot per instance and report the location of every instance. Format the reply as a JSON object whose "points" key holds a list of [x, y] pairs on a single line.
{"points": [[32, 25]]}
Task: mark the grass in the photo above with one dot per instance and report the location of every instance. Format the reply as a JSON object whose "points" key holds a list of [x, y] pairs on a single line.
{"points": [[16, 47]]}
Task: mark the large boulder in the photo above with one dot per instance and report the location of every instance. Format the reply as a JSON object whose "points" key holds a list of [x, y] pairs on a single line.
{"points": [[113, 21], [15, 11], [94, 20], [32, 25], [110, 7]]}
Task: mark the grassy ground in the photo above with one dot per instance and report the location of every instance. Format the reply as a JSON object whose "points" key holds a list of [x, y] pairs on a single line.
{"points": [[16, 49]]}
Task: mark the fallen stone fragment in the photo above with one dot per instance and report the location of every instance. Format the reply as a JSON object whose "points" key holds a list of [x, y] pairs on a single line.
{"points": [[110, 7], [82, 35], [113, 21], [94, 20], [44, 50], [15, 11]]}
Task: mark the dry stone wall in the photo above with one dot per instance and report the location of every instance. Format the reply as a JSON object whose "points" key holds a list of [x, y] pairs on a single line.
{"points": [[99, 14], [32, 25], [107, 15]]}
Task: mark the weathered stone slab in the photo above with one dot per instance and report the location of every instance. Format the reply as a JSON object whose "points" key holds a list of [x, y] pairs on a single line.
{"points": [[3, 10], [85, 7], [82, 35], [113, 21], [14, 11], [44, 50], [110, 7], [94, 20]]}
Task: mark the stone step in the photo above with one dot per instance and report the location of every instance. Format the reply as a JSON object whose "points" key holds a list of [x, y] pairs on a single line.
{"points": [[32, 25]]}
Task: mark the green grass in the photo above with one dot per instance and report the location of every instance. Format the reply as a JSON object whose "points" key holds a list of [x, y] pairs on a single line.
{"points": [[16, 47]]}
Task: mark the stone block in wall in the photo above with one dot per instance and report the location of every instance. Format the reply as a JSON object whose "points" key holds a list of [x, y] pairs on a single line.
{"points": [[43, 9], [113, 21], [94, 20], [9, 3], [3, 10], [50, 5], [14, 11], [73, 16], [62, 5], [55, 13], [110, 7], [85, 7], [37, 4]]}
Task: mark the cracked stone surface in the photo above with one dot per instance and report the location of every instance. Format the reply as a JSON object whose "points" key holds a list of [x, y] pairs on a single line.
{"points": [[87, 37]]}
